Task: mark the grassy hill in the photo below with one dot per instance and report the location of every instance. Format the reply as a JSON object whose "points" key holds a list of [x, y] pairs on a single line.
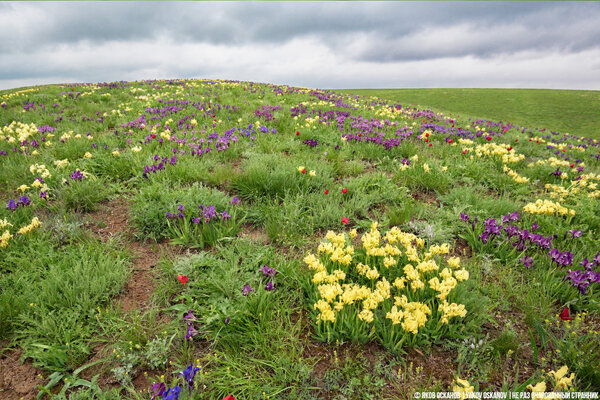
{"points": [[566, 111]]}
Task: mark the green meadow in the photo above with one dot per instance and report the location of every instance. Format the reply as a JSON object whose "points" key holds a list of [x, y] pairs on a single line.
{"points": [[212, 239], [566, 111]]}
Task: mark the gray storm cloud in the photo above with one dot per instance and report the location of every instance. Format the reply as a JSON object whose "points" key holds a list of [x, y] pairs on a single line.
{"points": [[319, 44]]}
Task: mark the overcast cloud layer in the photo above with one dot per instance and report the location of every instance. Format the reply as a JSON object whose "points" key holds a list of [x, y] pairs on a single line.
{"points": [[311, 44]]}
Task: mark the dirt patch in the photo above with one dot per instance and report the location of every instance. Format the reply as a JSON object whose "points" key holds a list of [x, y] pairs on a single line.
{"points": [[462, 249], [255, 234], [18, 380], [426, 197]]}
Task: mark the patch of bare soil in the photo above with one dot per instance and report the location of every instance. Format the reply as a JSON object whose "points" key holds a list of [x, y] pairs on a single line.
{"points": [[18, 380]]}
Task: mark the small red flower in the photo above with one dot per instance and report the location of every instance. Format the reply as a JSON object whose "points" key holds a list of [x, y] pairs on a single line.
{"points": [[572, 165], [516, 140], [465, 151], [450, 141], [509, 148], [153, 136], [564, 149], [297, 133], [564, 315], [430, 144], [182, 278], [488, 138], [304, 171], [345, 220], [344, 190], [230, 397], [360, 135], [427, 135], [426, 140], [326, 191], [537, 141]]}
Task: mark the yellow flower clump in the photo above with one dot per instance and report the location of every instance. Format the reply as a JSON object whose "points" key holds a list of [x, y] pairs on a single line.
{"points": [[501, 150], [392, 277], [547, 207]]}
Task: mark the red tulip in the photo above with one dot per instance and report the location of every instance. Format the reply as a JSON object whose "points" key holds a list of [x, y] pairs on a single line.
{"points": [[153, 136], [304, 171], [230, 397], [326, 191], [450, 141], [488, 138], [465, 151], [509, 148], [182, 278], [516, 140], [564, 315], [345, 220], [430, 144], [344, 190], [572, 165], [426, 140], [297, 133]]}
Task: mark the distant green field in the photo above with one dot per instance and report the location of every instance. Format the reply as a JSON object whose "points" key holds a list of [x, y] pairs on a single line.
{"points": [[566, 111]]}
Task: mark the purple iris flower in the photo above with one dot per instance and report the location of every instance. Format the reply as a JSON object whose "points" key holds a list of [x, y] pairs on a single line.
{"points": [[266, 271], [189, 374], [191, 331], [157, 390], [180, 208], [43, 195], [172, 394], [235, 201], [269, 286], [189, 316], [77, 175], [527, 261], [225, 216], [464, 217], [246, 290], [24, 201], [12, 206]]}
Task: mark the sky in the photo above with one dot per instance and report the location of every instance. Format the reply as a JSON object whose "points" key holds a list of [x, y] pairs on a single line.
{"points": [[551, 45]]}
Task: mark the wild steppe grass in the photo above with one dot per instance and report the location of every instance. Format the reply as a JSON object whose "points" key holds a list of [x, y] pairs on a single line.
{"points": [[200, 239], [566, 111]]}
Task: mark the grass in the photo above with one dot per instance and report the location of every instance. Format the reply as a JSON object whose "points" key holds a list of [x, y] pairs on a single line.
{"points": [[575, 112], [223, 190]]}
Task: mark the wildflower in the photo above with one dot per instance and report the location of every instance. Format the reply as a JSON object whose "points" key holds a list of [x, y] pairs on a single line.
{"points": [[157, 390], [326, 191], [115, 153], [235, 201], [182, 278], [462, 386], [230, 397], [77, 175], [312, 173], [172, 394], [23, 188], [190, 316], [12, 206], [345, 220], [269, 286], [301, 168], [225, 216], [527, 261], [564, 315], [540, 387], [189, 374], [562, 382], [344, 190], [246, 290], [191, 331], [136, 149], [266, 271]]}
